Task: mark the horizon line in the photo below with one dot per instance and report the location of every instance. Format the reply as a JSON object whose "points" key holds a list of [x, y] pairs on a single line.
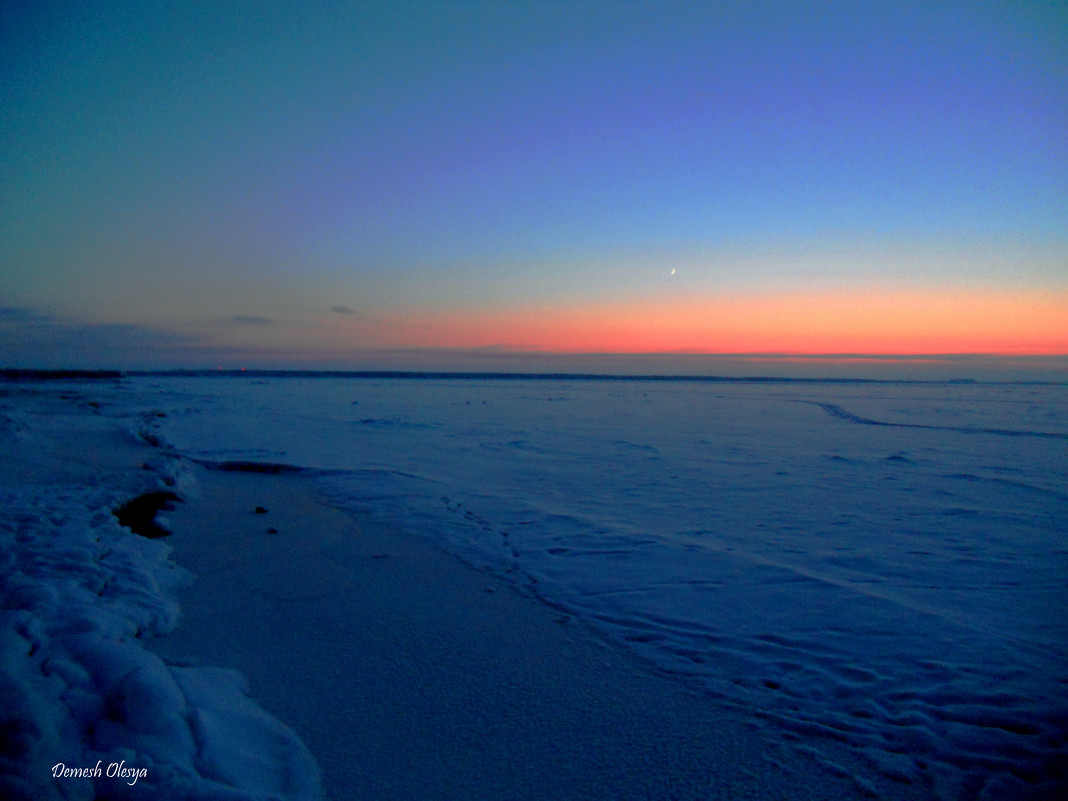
{"points": [[31, 374]]}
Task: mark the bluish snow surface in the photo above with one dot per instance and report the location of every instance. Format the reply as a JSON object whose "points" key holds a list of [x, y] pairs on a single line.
{"points": [[884, 565], [87, 712]]}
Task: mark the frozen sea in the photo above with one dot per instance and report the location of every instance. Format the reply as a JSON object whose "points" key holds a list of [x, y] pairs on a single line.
{"points": [[882, 564]]}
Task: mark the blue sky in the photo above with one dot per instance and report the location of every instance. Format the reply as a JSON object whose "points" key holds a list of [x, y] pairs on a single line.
{"points": [[214, 178]]}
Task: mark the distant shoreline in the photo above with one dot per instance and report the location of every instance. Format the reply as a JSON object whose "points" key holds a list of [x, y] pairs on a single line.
{"points": [[28, 374], [60, 375]]}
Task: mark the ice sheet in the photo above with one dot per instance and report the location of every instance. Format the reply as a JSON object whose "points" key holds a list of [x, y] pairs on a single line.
{"points": [[880, 564]]}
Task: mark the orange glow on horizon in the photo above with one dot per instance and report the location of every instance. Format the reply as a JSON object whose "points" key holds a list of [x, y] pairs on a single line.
{"points": [[872, 322]]}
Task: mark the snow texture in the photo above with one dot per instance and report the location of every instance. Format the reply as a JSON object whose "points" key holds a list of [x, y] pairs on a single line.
{"points": [[88, 711], [879, 565]]}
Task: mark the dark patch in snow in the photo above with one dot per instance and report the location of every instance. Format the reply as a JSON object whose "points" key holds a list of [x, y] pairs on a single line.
{"points": [[251, 467], [139, 514], [637, 447], [393, 422]]}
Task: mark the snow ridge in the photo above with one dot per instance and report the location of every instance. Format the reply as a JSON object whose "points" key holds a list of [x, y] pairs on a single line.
{"points": [[837, 411], [89, 712]]}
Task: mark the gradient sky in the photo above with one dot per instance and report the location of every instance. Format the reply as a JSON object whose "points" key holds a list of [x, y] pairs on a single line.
{"points": [[348, 184]]}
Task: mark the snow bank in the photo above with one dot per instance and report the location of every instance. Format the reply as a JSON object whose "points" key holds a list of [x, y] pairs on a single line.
{"points": [[88, 711]]}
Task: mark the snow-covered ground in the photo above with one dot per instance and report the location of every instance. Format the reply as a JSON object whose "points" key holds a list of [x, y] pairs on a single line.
{"points": [[879, 565], [88, 712], [884, 565]]}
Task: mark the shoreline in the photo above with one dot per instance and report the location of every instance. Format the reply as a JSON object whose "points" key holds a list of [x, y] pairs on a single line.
{"points": [[400, 670], [80, 596], [409, 674]]}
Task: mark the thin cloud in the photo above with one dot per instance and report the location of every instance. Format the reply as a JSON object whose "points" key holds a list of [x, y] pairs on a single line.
{"points": [[29, 338], [342, 310], [242, 319], [16, 315]]}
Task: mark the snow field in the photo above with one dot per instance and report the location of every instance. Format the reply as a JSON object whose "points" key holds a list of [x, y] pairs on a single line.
{"points": [[876, 565], [88, 711]]}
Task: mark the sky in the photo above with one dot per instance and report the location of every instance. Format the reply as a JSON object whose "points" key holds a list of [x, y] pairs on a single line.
{"points": [[461, 184]]}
